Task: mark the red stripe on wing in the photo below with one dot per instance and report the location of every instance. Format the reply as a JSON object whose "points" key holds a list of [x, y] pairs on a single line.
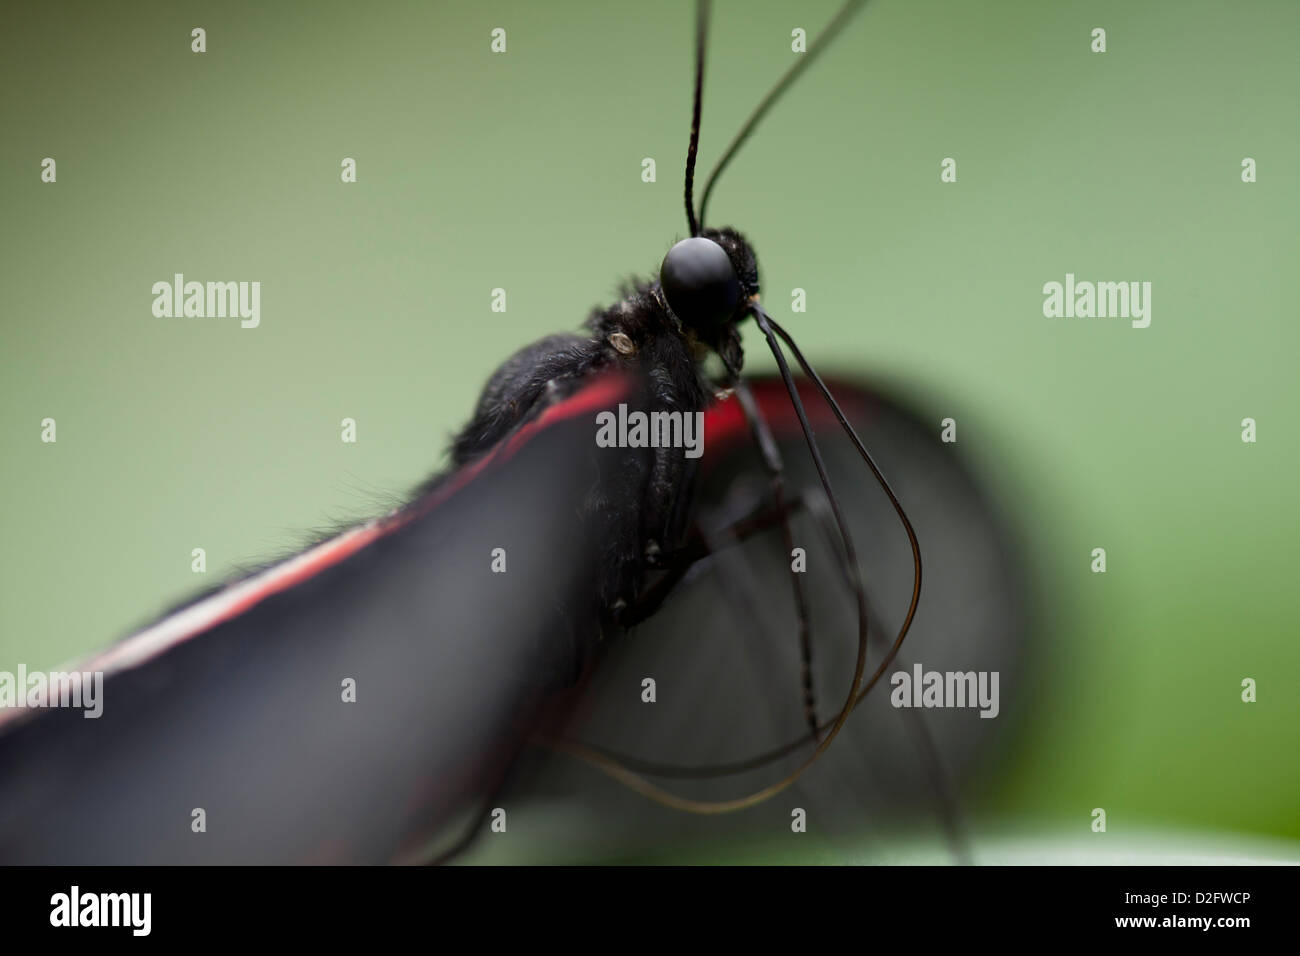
{"points": [[725, 425]]}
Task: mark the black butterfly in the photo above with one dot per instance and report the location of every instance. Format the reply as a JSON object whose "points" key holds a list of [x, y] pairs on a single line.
{"points": [[477, 685]]}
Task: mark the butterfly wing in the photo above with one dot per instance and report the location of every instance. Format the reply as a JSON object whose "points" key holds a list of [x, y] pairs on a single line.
{"points": [[723, 652], [352, 704]]}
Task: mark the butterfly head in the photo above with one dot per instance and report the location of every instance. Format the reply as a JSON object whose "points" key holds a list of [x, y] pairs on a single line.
{"points": [[709, 282]]}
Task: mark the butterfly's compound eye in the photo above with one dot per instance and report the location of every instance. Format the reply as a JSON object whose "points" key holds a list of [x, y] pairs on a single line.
{"points": [[700, 284]]}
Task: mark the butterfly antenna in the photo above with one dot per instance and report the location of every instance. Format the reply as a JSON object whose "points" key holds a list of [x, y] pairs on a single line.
{"points": [[769, 325], [701, 41], [805, 60]]}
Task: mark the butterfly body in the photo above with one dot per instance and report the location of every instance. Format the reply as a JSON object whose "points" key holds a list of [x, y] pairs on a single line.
{"points": [[642, 335]]}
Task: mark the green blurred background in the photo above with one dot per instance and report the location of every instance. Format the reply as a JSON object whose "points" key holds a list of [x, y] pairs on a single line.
{"points": [[523, 171]]}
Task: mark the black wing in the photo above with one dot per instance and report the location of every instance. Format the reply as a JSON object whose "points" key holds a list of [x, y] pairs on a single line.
{"points": [[235, 705], [724, 654]]}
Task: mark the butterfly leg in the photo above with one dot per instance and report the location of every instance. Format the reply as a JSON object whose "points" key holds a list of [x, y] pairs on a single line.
{"points": [[676, 564], [949, 806], [775, 469]]}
